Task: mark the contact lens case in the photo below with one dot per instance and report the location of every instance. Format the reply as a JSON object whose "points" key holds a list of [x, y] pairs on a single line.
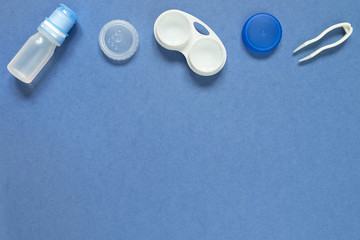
{"points": [[204, 52]]}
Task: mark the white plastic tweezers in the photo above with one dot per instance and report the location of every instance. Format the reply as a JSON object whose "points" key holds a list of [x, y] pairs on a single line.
{"points": [[348, 31]]}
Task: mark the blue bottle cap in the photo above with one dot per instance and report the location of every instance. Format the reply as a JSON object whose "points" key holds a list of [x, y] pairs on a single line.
{"points": [[261, 33], [59, 23]]}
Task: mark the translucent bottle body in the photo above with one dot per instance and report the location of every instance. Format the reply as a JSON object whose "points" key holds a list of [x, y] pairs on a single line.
{"points": [[32, 57]]}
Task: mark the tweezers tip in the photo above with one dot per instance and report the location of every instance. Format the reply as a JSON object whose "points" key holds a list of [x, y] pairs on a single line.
{"points": [[298, 48]]}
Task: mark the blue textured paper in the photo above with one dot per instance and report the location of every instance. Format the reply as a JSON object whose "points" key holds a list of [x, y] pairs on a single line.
{"points": [[267, 149]]}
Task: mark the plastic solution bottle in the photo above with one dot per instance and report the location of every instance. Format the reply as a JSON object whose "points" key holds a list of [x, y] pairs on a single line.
{"points": [[39, 48]]}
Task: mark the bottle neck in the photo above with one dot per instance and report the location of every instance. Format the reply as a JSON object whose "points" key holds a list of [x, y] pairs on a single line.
{"points": [[48, 36], [52, 31]]}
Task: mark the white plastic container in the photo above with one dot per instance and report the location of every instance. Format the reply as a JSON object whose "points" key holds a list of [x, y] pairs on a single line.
{"points": [[39, 48], [205, 53]]}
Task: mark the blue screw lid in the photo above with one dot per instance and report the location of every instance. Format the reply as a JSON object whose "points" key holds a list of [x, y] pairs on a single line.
{"points": [[64, 18], [261, 33], [59, 23]]}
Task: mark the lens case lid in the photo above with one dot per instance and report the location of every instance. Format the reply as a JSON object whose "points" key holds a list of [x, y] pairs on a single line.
{"points": [[262, 33], [118, 40], [205, 53]]}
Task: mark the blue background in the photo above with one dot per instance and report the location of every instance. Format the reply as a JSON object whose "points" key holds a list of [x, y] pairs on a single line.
{"points": [[267, 149]]}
